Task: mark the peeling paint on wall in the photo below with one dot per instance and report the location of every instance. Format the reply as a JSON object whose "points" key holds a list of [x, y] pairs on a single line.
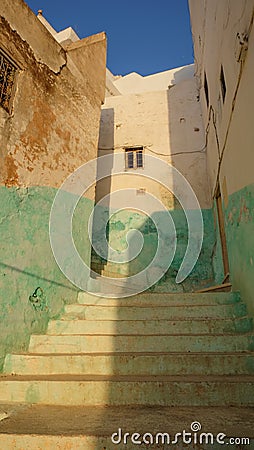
{"points": [[27, 266], [123, 221], [239, 224], [52, 129]]}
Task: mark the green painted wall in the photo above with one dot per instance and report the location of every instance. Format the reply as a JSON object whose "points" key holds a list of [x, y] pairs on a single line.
{"points": [[239, 224], [218, 267], [33, 289], [123, 221], [27, 264], [239, 228], [202, 274]]}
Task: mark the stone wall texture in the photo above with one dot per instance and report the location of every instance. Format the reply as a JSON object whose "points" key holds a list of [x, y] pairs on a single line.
{"points": [[51, 129]]}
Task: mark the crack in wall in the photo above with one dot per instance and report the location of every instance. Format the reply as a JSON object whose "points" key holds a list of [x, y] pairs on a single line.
{"points": [[29, 49]]}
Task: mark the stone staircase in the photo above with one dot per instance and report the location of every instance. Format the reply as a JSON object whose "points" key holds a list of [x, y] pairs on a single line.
{"points": [[106, 362], [109, 269]]}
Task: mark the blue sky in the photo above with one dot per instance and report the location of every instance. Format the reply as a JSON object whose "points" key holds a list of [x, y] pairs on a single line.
{"points": [[144, 36]]}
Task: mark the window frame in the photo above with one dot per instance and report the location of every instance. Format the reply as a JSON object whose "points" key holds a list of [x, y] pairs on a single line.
{"points": [[5, 58], [135, 151]]}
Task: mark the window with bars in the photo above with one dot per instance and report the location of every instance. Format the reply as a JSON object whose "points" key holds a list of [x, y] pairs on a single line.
{"points": [[134, 158], [7, 77]]}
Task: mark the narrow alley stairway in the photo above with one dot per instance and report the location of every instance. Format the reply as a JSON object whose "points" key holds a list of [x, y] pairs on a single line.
{"points": [[147, 364]]}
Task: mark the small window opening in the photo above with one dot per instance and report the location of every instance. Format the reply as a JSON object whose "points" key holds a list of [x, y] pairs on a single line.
{"points": [[134, 158], [223, 84], [206, 90], [7, 77]]}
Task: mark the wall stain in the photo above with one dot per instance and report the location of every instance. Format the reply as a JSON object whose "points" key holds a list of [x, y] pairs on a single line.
{"points": [[11, 171], [38, 130]]}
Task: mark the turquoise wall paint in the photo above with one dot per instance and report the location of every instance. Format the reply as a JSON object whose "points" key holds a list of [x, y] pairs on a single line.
{"points": [[202, 274], [123, 221], [218, 266], [32, 287], [239, 225]]}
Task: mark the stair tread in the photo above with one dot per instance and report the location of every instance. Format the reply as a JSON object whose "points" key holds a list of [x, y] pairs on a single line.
{"points": [[175, 305], [129, 378], [116, 354], [180, 319], [200, 380], [141, 336], [104, 420]]}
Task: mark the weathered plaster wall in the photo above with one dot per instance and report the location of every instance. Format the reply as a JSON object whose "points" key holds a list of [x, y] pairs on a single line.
{"points": [[230, 125], [217, 258], [51, 130], [168, 124], [123, 221], [64, 37]]}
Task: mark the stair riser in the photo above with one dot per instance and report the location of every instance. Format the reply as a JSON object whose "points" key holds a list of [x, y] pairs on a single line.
{"points": [[173, 364], [153, 368], [129, 393], [115, 274], [111, 270], [110, 288], [162, 299], [171, 343], [167, 313], [141, 327]]}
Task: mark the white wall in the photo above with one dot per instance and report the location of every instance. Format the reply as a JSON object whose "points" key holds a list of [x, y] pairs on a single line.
{"points": [[229, 124], [134, 83], [164, 122], [215, 25]]}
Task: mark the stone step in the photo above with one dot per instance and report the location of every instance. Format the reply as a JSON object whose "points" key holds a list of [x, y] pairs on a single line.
{"points": [[144, 327], [115, 269], [94, 312], [131, 364], [106, 273], [39, 427], [137, 343], [129, 391], [162, 299], [113, 289]]}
